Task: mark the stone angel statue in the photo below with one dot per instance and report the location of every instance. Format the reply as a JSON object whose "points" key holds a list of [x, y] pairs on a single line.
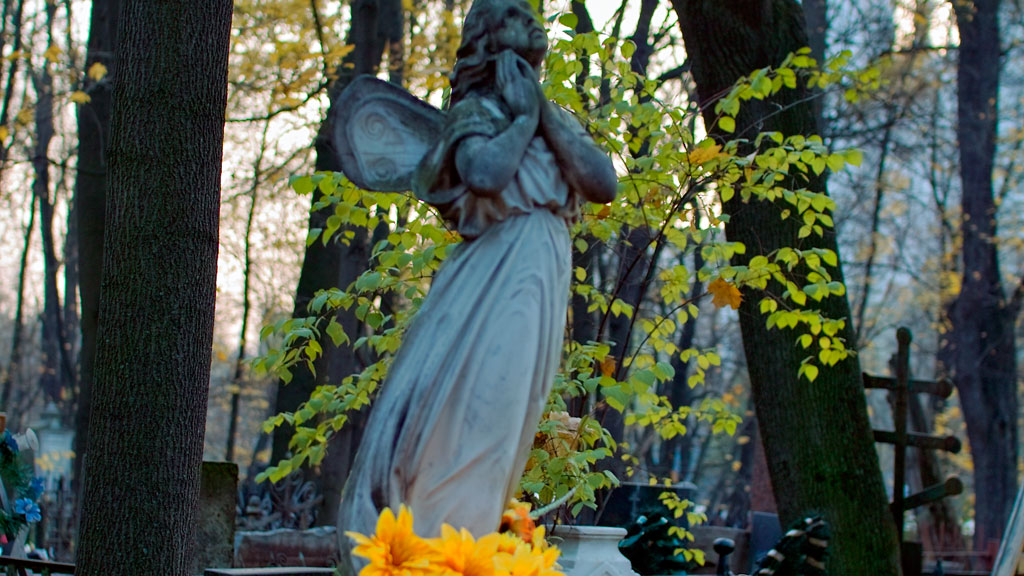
{"points": [[450, 432]]}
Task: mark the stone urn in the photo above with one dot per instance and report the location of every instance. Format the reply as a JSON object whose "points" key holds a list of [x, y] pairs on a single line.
{"points": [[591, 550]]}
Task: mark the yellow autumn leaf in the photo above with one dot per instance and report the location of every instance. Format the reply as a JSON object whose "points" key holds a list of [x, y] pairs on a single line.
{"points": [[52, 54], [79, 97], [704, 154], [342, 51], [4, 133], [608, 366], [97, 71], [725, 294], [24, 116]]}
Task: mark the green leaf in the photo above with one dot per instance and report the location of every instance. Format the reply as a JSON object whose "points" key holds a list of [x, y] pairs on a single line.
{"points": [[627, 49], [854, 157], [569, 20], [727, 124], [616, 397], [301, 184], [810, 371]]}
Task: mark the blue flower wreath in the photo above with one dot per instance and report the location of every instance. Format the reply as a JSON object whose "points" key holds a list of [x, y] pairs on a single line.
{"points": [[21, 486]]}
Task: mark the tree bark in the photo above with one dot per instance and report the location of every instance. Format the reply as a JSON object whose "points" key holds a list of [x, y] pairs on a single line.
{"points": [[982, 351], [158, 290], [91, 185], [817, 437]]}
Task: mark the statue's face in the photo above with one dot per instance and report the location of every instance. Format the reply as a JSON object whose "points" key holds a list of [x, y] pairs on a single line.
{"points": [[518, 29]]}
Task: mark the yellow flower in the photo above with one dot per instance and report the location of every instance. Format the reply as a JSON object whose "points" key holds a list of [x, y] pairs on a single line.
{"points": [[508, 543], [395, 550], [518, 558], [461, 555], [549, 554], [522, 562]]}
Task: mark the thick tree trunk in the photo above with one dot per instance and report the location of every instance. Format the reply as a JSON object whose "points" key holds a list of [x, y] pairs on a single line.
{"points": [[817, 437], [982, 361], [155, 336], [91, 185]]}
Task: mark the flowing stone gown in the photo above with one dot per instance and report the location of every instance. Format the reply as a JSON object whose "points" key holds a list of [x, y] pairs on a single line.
{"points": [[451, 430]]}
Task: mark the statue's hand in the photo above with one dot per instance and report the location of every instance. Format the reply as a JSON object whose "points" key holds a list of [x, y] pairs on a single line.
{"points": [[518, 85]]}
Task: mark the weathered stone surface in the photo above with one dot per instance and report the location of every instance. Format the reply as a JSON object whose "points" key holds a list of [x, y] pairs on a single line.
{"points": [[215, 536], [286, 547]]}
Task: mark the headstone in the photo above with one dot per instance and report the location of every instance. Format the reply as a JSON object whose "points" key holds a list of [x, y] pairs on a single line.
{"points": [[287, 547], [765, 531], [215, 536]]}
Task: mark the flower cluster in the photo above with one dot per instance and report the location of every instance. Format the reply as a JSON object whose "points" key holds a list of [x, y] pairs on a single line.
{"points": [[17, 478], [395, 550]]}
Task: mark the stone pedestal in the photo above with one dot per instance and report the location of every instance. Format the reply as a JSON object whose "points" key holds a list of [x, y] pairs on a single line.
{"points": [[591, 551]]}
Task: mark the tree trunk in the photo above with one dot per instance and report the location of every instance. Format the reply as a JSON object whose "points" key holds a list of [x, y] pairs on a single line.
{"points": [[158, 290], [635, 264], [982, 359], [819, 463], [238, 380], [817, 25], [55, 370], [680, 394], [14, 365], [12, 73], [91, 185], [375, 25]]}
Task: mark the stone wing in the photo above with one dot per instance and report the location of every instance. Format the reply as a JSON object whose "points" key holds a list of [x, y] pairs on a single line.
{"points": [[381, 133]]}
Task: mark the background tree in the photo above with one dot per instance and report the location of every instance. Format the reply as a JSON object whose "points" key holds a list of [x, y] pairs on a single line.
{"points": [[375, 29], [91, 185], [826, 464], [981, 351], [159, 279]]}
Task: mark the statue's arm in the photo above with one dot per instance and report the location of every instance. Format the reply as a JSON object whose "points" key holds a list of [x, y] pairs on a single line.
{"points": [[585, 167], [487, 165]]}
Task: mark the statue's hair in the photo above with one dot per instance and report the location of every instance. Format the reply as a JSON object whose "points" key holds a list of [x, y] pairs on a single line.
{"points": [[473, 60]]}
